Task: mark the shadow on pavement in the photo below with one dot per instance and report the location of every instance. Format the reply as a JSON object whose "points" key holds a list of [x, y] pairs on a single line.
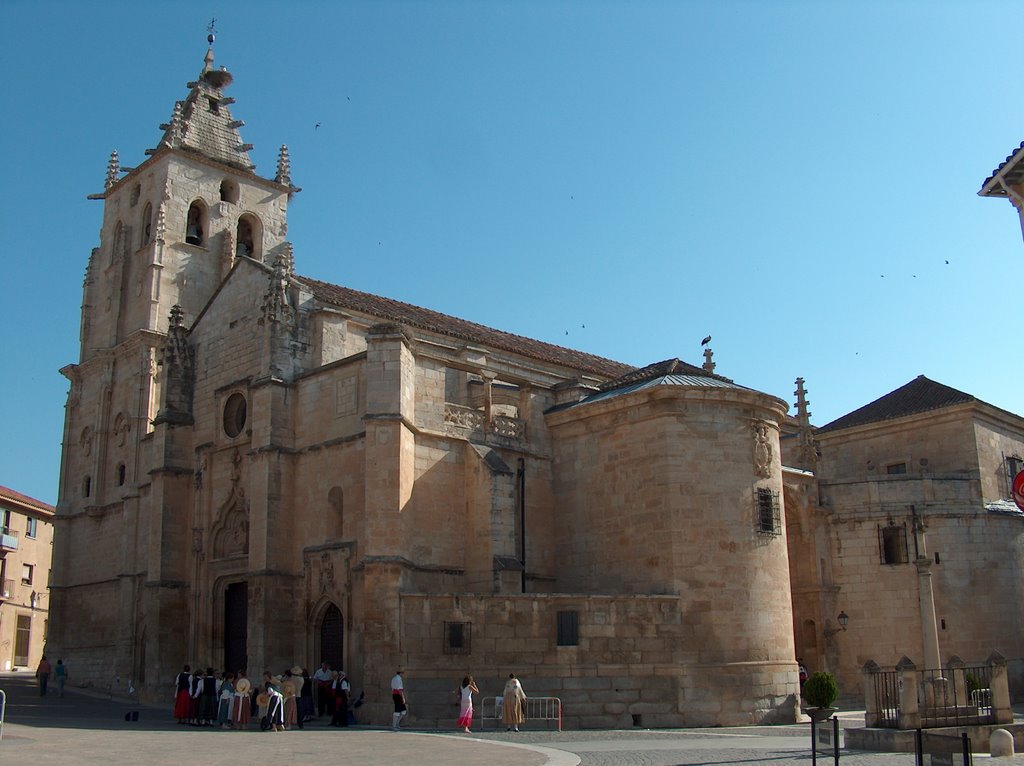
{"points": [[77, 709]]}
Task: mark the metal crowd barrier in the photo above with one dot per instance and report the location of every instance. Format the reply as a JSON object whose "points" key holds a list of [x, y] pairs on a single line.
{"points": [[534, 709]]}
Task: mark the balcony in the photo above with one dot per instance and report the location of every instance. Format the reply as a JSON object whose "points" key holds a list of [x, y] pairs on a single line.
{"points": [[6, 589], [472, 424], [8, 539]]}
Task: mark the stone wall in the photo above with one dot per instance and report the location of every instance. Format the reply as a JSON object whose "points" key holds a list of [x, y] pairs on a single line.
{"points": [[628, 662]]}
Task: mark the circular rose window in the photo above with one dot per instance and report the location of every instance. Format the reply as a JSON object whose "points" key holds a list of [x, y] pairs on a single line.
{"points": [[234, 415]]}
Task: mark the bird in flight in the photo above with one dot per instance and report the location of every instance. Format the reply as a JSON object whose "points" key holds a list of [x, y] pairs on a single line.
{"points": [[317, 126]]}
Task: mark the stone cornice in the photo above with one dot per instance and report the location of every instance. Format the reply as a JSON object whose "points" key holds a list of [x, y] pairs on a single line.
{"points": [[331, 546], [164, 151], [404, 563], [629, 401]]}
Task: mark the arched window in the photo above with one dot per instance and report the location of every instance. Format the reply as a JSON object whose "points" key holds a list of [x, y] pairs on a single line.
{"points": [[121, 472], [87, 486], [195, 226], [147, 224], [335, 525], [228, 191], [249, 236], [234, 414]]}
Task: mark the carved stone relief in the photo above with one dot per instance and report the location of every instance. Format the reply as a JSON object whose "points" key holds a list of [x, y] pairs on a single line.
{"points": [[762, 451]]}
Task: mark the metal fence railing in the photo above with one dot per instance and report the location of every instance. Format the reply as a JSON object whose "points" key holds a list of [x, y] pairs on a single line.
{"points": [[887, 698], [953, 696], [547, 709]]}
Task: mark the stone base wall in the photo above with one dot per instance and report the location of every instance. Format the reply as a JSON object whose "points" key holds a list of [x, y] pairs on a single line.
{"points": [[627, 669]]}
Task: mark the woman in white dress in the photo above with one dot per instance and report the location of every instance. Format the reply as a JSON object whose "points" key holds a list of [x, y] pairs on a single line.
{"points": [[466, 703]]}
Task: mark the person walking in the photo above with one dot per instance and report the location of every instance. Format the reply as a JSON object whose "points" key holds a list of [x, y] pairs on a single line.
{"points": [[275, 708], [399, 698], [43, 670], [61, 674], [512, 705], [466, 703]]}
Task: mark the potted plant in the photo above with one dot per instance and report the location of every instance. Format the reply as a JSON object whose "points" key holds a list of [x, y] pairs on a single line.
{"points": [[819, 692]]}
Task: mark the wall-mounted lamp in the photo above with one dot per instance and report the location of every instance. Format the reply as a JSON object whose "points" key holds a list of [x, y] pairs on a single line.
{"points": [[844, 620]]}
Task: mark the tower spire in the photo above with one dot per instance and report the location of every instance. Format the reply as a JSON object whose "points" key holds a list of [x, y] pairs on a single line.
{"points": [[211, 35]]}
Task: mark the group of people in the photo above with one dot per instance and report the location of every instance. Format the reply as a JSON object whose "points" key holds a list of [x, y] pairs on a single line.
{"points": [[278, 703], [43, 671], [512, 704]]}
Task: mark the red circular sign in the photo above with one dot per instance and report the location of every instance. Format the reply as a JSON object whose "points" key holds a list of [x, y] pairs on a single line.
{"points": [[1018, 490]]}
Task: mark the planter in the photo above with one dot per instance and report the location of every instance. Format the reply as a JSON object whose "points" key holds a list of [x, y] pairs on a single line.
{"points": [[819, 714]]}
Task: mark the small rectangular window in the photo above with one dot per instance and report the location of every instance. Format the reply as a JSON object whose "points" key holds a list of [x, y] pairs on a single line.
{"points": [[894, 469], [457, 637], [892, 544], [31, 531], [26, 574], [769, 513], [568, 628]]}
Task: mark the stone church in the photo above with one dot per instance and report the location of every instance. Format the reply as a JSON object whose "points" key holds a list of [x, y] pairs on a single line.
{"points": [[263, 469]]}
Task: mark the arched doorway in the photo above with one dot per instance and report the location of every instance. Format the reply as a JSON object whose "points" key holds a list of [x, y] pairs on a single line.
{"points": [[236, 617], [332, 638]]}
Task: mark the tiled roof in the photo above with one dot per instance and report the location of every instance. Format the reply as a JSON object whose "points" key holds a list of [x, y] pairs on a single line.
{"points": [[671, 372], [919, 395], [1014, 175], [203, 123], [9, 495], [659, 369], [433, 321]]}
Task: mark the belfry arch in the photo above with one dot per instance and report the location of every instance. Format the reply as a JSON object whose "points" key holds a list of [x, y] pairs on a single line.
{"points": [[329, 636]]}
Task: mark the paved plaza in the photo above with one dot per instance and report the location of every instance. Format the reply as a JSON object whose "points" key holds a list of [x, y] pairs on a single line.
{"points": [[85, 728]]}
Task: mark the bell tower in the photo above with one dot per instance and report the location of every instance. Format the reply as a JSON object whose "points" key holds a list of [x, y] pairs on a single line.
{"points": [[174, 226]]}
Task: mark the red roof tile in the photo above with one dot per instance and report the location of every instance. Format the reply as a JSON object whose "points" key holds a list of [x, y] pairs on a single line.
{"points": [[16, 497], [919, 395], [433, 321]]}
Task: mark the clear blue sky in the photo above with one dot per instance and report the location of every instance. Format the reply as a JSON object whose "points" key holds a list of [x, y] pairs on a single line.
{"points": [[619, 177]]}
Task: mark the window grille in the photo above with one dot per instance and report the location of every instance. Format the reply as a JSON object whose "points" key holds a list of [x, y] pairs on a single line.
{"points": [[892, 544], [769, 512], [568, 628], [457, 637]]}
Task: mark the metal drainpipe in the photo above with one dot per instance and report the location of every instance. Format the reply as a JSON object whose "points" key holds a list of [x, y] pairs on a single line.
{"points": [[521, 476]]}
